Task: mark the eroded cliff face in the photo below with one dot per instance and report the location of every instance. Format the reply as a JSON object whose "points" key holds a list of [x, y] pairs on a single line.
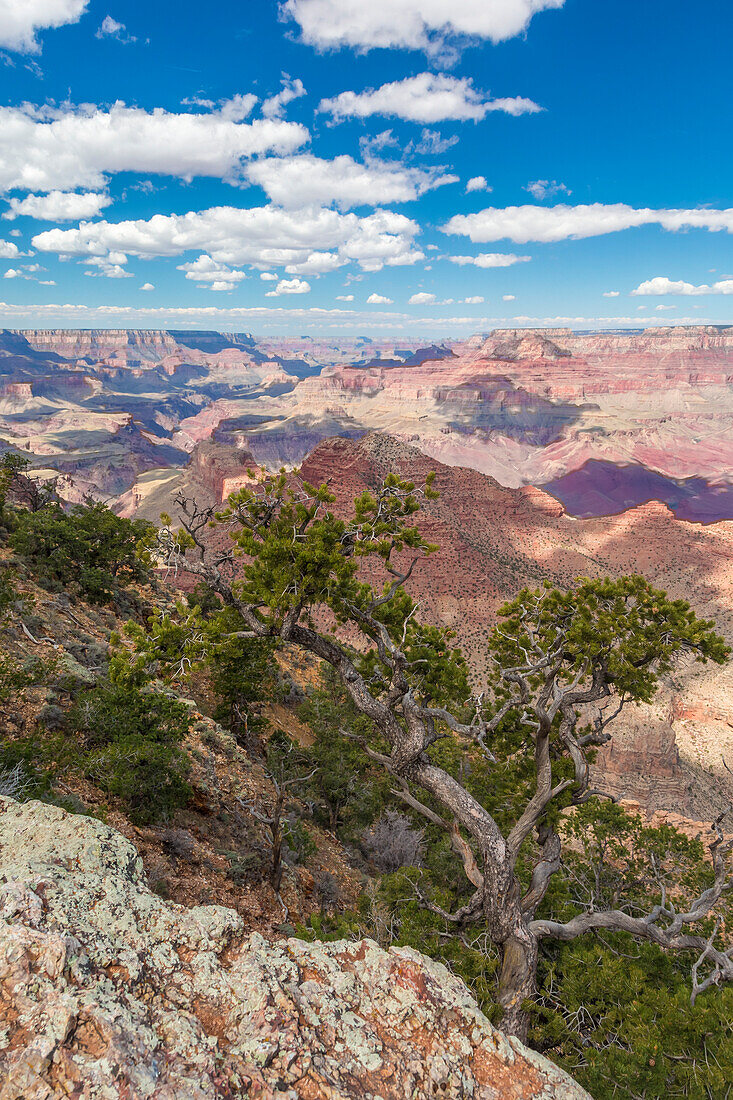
{"points": [[524, 406], [109, 992]]}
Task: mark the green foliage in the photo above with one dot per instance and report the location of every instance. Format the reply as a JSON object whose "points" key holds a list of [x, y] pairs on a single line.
{"points": [[243, 671], [8, 591], [298, 840], [132, 740], [612, 855], [243, 676], [17, 484], [16, 676], [347, 790], [301, 555], [89, 546], [247, 865], [109, 713], [149, 778], [617, 1016], [11, 464], [36, 761], [627, 627]]}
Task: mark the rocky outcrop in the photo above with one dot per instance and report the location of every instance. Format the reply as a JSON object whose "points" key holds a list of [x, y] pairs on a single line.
{"points": [[222, 470], [641, 763], [108, 992]]}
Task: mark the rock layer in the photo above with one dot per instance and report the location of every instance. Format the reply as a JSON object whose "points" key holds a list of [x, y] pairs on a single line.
{"points": [[108, 992], [525, 406]]}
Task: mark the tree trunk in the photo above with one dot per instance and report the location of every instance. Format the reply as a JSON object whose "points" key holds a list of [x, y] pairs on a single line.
{"points": [[517, 982], [276, 830], [276, 873]]}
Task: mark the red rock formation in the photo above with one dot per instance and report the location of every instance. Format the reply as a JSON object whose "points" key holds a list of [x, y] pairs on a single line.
{"points": [[495, 540], [222, 470]]}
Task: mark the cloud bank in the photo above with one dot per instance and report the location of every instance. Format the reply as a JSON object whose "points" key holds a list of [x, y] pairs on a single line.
{"points": [[58, 206], [560, 223], [59, 149], [662, 285], [414, 24], [427, 97], [303, 241]]}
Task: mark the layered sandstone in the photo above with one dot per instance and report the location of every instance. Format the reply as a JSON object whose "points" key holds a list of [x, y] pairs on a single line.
{"points": [[524, 406], [222, 470], [109, 992]]}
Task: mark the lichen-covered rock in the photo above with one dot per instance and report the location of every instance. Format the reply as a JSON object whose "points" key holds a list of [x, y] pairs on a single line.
{"points": [[107, 992]]}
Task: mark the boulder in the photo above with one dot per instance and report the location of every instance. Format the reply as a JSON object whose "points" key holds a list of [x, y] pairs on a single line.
{"points": [[107, 992]]}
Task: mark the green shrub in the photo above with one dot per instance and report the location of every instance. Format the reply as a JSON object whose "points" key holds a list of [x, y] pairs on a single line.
{"points": [[16, 676], [148, 777], [89, 546], [36, 762], [133, 740], [299, 843], [109, 713]]}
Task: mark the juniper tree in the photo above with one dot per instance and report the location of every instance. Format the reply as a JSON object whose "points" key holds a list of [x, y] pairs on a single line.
{"points": [[561, 665]]}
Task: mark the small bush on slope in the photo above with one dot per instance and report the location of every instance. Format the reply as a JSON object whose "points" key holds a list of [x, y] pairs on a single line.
{"points": [[132, 741], [89, 546]]}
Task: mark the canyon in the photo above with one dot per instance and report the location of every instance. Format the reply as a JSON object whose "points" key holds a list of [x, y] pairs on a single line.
{"points": [[557, 454], [527, 407]]}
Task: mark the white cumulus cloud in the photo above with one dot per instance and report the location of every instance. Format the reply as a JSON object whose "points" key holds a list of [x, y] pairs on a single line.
{"points": [[8, 250], [307, 180], [477, 183], [476, 300], [59, 206], [427, 97], [560, 223], [611, 293], [109, 266], [379, 300], [204, 270], [508, 297], [414, 24], [490, 259], [662, 285], [47, 149], [344, 297], [20, 20], [546, 189], [264, 236], [147, 286], [422, 299], [274, 107], [289, 286], [110, 28]]}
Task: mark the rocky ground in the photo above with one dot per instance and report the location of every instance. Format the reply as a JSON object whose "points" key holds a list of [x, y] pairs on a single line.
{"points": [[109, 993]]}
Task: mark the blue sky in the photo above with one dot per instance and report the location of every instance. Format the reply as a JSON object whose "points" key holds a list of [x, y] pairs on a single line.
{"points": [[304, 167]]}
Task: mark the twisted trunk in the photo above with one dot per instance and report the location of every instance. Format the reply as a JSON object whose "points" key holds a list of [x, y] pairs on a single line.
{"points": [[517, 981]]}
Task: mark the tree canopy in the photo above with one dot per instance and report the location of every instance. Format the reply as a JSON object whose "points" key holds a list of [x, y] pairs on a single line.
{"points": [[560, 666]]}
